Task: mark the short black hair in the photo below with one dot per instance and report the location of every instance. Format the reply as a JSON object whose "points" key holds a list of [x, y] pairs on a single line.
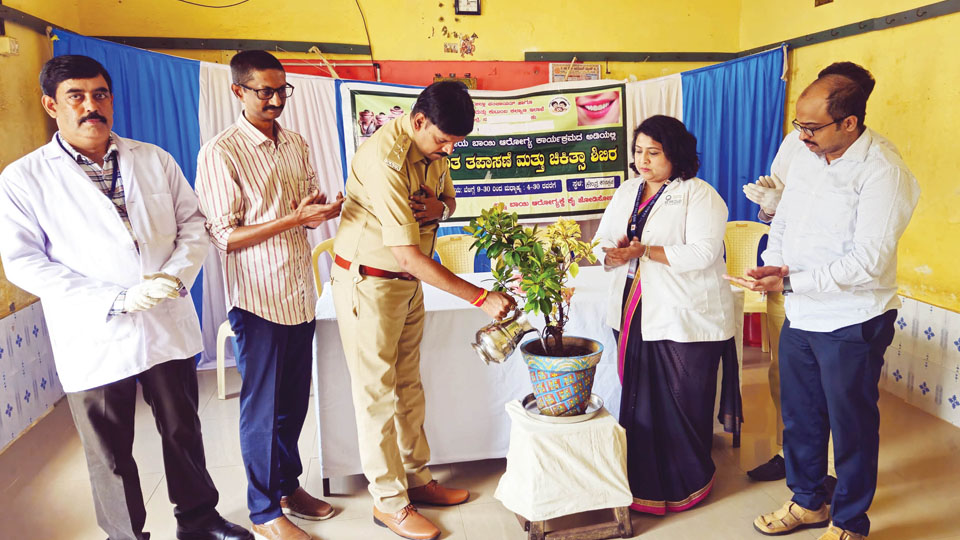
{"points": [[850, 86], [853, 72], [447, 105], [70, 66], [244, 63], [679, 145]]}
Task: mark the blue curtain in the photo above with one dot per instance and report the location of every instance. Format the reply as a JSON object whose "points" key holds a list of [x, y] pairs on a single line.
{"points": [[735, 109], [156, 100]]}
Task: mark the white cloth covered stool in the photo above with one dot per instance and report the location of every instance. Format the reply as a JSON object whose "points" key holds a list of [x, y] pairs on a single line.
{"points": [[555, 470]]}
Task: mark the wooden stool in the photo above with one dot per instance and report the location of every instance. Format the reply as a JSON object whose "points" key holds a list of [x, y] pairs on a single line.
{"points": [[620, 527], [559, 470]]}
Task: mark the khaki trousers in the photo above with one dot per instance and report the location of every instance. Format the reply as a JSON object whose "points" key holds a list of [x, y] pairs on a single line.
{"points": [[775, 318], [381, 325]]}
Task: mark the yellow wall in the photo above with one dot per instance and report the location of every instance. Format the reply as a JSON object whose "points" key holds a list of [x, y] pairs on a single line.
{"points": [[25, 125], [415, 32], [763, 22], [916, 104], [65, 13], [412, 29]]}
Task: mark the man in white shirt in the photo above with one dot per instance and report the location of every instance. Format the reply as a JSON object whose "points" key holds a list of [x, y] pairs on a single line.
{"points": [[766, 192], [106, 231], [832, 252]]}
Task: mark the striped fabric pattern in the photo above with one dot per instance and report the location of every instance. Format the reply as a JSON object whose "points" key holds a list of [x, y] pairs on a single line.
{"points": [[244, 179], [102, 177]]}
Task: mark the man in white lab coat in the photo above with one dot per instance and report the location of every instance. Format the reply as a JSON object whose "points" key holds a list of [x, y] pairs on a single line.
{"points": [[107, 232]]}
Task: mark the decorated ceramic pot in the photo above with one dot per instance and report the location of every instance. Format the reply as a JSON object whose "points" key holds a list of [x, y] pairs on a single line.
{"points": [[562, 384]]}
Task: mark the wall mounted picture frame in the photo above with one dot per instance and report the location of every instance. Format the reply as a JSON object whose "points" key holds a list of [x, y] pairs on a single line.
{"points": [[466, 7]]}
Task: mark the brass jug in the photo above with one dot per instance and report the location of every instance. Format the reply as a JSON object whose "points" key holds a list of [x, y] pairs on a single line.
{"points": [[496, 341]]}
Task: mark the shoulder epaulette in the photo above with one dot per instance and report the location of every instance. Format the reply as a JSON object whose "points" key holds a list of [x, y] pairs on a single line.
{"points": [[398, 154]]}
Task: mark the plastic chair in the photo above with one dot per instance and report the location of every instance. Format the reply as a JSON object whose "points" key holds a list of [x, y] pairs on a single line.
{"points": [[325, 246], [742, 242], [455, 252], [225, 331]]}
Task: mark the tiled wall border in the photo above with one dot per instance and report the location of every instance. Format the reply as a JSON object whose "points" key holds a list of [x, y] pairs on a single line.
{"points": [[922, 365], [29, 386]]}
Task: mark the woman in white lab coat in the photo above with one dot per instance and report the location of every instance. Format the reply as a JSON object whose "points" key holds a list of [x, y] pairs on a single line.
{"points": [[662, 236]]}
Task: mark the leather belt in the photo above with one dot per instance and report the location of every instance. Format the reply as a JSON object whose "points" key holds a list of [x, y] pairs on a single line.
{"points": [[375, 272]]}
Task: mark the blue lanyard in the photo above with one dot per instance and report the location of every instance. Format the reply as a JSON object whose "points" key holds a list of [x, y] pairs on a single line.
{"points": [[113, 176], [639, 217]]}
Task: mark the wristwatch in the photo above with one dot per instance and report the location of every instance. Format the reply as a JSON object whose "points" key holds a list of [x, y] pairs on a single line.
{"points": [[446, 212], [787, 289]]}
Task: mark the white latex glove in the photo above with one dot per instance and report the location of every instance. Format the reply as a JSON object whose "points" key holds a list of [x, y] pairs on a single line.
{"points": [[766, 192], [138, 299], [162, 286]]}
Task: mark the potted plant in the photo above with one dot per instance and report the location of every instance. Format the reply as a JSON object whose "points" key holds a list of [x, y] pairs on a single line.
{"points": [[534, 265]]}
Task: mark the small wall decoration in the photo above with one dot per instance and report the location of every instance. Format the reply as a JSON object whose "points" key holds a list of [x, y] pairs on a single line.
{"points": [[465, 46], [467, 7]]}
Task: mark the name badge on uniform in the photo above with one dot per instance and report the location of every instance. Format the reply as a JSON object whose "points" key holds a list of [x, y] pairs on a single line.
{"points": [[672, 200]]}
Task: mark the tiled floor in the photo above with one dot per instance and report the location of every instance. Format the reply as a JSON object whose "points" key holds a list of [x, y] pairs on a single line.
{"points": [[44, 492]]}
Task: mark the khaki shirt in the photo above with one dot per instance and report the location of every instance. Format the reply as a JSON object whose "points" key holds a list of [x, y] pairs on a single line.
{"points": [[386, 170]]}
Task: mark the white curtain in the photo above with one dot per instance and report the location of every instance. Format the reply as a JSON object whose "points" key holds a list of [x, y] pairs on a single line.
{"points": [[643, 99], [311, 112]]}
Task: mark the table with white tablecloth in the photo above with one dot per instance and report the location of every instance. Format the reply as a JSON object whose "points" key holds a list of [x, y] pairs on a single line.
{"points": [[465, 418]]}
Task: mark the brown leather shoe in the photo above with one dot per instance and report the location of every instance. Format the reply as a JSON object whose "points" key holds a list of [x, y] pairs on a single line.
{"points": [[279, 529], [437, 495], [407, 523], [306, 506]]}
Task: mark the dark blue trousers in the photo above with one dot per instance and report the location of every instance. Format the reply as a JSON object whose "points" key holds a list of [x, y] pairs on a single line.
{"points": [[274, 363], [829, 381]]}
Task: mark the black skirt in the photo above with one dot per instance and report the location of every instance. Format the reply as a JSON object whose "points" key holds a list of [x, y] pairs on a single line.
{"points": [[666, 408]]}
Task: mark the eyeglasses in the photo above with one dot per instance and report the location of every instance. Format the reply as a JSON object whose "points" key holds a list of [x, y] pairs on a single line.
{"points": [[808, 131], [267, 93]]}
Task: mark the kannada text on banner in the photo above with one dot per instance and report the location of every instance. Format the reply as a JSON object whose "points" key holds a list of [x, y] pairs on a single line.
{"points": [[560, 152]]}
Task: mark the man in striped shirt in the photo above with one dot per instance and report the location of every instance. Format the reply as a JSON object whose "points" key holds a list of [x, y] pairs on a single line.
{"points": [[258, 192]]}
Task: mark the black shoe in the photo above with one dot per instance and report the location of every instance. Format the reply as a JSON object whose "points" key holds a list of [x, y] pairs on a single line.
{"points": [[830, 484], [222, 530], [775, 469]]}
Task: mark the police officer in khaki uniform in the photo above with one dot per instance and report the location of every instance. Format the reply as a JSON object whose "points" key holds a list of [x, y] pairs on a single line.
{"points": [[398, 190]]}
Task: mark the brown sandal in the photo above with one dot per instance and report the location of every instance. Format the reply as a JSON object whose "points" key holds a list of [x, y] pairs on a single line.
{"points": [[790, 518]]}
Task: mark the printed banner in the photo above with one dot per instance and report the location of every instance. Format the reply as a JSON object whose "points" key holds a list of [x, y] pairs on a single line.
{"points": [[542, 153], [566, 71]]}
